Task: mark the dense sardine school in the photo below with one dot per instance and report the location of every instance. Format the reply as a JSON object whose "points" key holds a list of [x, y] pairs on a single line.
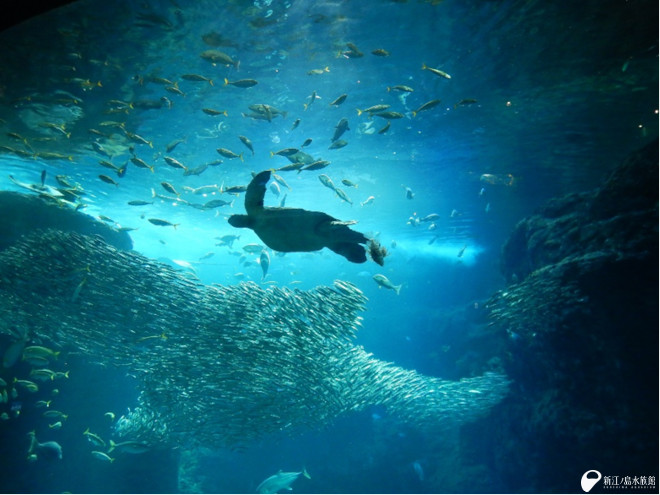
{"points": [[218, 365]]}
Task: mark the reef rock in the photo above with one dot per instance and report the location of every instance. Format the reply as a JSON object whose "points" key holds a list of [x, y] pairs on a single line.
{"points": [[24, 214], [581, 313]]}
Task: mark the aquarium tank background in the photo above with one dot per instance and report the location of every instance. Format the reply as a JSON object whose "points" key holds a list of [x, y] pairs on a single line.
{"points": [[501, 158]]}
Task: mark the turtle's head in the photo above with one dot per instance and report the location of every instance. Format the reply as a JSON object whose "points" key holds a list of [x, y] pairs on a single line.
{"points": [[240, 221]]}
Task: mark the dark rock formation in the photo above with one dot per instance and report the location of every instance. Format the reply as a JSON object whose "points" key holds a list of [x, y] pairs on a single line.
{"points": [[581, 314], [21, 214]]}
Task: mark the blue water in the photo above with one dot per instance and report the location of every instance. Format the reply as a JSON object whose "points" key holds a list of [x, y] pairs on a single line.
{"points": [[563, 92]]}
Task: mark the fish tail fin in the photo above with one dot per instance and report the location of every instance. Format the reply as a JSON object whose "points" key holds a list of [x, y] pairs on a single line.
{"points": [[226, 81], [112, 446], [359, 111], [424, 66], [306, 474], [211, 82], [414, 113], [397, 289]]}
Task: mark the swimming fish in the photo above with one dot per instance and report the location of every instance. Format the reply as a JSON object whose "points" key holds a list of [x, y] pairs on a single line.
{"points": [[318, 72], [49, 450], [108, 180], [339, 100], [247, 143], [102, 456], [162, 223], [174, 163], [280, 481], [197, 77], [437, 72], [94, 438], [312, 98], [213, 112], [229, 154], [401, 87], [389, 115], [426, 106], [264, 262], [327, 182], [129, 447], [353, 51], [367, 201], [39, 352], [383, 281], [140, 163], [317, 165], [385, 128], [242, 83], [169, 188], [340, 128], [218, 57], [337, 145], [286, 152], [373, 109], [343, 196]]}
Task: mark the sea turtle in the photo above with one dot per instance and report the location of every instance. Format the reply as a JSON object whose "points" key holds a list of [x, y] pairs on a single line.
{"points": [[297, 230]]}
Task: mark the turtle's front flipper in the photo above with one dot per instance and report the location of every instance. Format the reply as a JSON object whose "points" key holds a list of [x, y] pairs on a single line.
{"points": [[254, 196], [351, 251]]}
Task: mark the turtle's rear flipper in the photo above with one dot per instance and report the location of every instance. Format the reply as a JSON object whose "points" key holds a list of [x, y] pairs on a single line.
{"points": [[351, 251]]}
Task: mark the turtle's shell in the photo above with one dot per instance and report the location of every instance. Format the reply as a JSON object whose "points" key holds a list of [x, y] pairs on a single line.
{"points": [[294, 229]]}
